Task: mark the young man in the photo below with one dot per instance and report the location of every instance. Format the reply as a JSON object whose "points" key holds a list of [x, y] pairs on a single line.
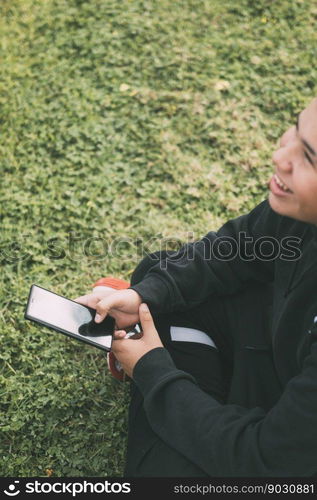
{"points": [[224, 380]]}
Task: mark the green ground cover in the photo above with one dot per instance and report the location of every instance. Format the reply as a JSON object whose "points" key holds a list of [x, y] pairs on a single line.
{"points": [[123, 125]]}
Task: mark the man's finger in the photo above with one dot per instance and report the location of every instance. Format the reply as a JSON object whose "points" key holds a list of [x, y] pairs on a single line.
{"points": [[81, 299], [102, 308], [93, 300], [146, 319], [89, 300], [119, 334]]}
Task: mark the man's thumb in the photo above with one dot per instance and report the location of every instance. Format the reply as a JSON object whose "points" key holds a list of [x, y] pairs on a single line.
{"points": [[146, 319]]}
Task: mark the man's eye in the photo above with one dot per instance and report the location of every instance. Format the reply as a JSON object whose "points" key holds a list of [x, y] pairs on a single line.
{"points": [[308, 158]]}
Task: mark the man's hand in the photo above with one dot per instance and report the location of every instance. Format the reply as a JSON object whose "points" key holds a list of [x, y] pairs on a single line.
{"points": [[128, 351], [122, 305]]}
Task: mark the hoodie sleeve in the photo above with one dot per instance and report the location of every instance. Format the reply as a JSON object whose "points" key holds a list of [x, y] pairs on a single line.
{"points": [[222, 262], [230, 440]]}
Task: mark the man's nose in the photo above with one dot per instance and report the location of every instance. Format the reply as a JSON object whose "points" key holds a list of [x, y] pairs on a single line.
{"points": [[282, 159]]}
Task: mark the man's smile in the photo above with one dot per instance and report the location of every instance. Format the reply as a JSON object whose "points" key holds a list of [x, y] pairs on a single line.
{"points": [[281, 184]]}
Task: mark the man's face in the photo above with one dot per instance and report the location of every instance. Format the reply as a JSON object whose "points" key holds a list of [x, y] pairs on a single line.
{"points": [[293, 187]]}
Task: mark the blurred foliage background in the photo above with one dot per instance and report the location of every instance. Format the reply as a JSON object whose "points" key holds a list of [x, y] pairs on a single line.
{"points": [[125, 127]]}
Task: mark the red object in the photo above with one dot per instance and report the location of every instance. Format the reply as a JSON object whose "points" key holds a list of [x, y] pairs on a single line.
{"points": [[115, 283], [113, 364], [115, 367]]}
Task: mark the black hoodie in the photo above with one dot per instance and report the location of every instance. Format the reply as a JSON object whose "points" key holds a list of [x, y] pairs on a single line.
{"points": [[229, 439]]}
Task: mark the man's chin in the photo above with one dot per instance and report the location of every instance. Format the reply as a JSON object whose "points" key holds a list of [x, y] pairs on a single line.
{"points": [[290, 210], [277, 206]]}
